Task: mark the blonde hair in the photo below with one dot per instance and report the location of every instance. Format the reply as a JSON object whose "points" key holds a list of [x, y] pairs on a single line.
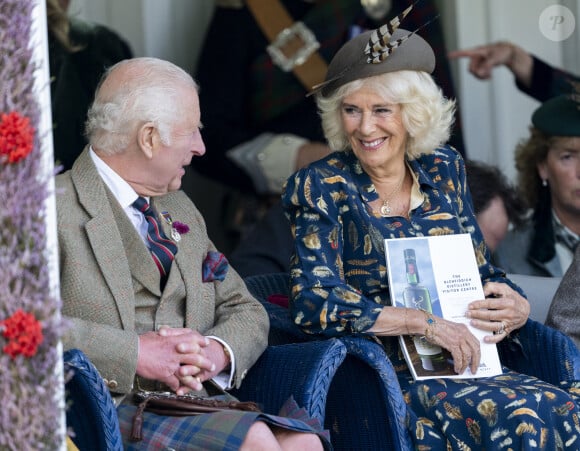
{"points": [[426, 114]]}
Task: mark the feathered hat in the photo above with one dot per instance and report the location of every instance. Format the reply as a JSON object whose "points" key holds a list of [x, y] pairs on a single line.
{"points": [[375, 52]]}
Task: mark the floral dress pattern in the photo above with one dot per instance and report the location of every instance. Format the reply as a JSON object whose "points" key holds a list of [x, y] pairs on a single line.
{"points": [[339, 285]]}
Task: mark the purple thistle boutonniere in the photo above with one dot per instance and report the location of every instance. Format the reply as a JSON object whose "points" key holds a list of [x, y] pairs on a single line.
{"points": [[180, 227], [177, 228]]}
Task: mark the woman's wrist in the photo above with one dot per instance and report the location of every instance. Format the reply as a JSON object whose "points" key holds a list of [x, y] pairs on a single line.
{"points": [[430, 327]]}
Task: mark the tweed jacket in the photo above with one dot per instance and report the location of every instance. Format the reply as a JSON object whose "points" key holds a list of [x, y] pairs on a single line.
{"points": [[563, 312], [106, 270]]}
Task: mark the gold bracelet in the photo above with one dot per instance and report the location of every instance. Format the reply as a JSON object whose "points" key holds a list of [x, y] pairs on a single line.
{"points": [[431, 324]]}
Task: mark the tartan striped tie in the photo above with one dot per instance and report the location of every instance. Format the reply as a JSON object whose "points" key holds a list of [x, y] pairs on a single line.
{"points": [[162, 249]]}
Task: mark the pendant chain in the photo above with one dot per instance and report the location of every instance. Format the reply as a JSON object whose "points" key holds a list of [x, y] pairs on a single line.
{"points": [[386, 209]]}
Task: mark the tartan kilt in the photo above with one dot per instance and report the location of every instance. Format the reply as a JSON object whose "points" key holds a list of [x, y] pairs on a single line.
{"points": [[214, 431]]}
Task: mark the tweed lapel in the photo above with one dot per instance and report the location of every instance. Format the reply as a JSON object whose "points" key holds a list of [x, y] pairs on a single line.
{"points": [[104, 237], [187, 266]]}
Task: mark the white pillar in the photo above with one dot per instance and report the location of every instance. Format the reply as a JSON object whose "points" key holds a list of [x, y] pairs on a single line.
{"points": [[42, 87]]}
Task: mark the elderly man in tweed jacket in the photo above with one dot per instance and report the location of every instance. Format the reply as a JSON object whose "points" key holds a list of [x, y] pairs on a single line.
{"points": [[145, 327]]}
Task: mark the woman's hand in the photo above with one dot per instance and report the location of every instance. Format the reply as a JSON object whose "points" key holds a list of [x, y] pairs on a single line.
{"points": [[503, 311], [459, 341], [455, 337]]}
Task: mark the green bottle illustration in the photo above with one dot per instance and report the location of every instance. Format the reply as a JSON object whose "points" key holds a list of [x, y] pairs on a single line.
{"points": [[417, 296]]}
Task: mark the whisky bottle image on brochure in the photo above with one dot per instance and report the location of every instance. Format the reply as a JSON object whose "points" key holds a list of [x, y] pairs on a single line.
{"points": [[417, 296]]}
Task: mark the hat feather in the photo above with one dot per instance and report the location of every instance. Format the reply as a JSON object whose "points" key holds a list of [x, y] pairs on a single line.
{"points": [[379, 46]]}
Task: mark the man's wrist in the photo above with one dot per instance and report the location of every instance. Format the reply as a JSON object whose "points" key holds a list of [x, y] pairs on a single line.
{"points": [[225, 349], [227, 354]]}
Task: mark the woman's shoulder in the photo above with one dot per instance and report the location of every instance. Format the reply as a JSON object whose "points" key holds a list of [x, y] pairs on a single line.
{"points": [[441, 159], [442, 155], [336, 163], [442, 163], [335, 172]]}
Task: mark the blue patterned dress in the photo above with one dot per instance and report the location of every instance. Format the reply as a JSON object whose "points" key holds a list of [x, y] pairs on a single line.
{"points": [[339, 285]]}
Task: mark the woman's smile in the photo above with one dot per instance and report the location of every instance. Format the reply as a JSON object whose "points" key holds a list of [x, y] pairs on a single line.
{"points": [[372, 145]]}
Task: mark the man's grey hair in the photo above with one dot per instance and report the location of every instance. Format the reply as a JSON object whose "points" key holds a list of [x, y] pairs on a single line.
{"points": [[150, 95]]}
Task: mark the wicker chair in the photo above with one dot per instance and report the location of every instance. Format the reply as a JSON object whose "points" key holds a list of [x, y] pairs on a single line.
{"points": [[303, 370], [90, 412], [545, 353], [364, 404], [365, 409]]}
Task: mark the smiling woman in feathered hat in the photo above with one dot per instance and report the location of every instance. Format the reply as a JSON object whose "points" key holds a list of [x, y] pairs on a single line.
{"points": [[392, 176]]}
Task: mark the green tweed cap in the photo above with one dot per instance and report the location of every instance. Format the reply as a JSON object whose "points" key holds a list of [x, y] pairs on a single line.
{"points": [[352, 63], [558, 116]]}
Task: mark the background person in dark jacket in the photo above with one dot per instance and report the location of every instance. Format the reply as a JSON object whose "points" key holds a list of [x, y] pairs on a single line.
{"points": [[79, 53]]}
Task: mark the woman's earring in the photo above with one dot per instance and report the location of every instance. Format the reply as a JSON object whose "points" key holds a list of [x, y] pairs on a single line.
{"points": [[544, 182]]}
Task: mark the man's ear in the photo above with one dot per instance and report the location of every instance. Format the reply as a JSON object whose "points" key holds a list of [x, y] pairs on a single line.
{"points": [[147, 138]]}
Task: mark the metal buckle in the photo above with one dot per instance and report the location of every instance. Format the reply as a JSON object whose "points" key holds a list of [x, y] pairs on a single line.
{"points": [[309, 46]]}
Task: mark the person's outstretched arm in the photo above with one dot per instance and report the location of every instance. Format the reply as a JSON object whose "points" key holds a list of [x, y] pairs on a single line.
{"points": [[483, 59]]}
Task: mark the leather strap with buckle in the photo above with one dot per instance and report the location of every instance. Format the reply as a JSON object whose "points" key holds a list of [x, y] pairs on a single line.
{"points": [[293, 46]]}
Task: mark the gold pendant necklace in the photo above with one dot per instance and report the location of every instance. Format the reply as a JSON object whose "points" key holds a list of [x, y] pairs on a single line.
{"points": [[386, 209]]}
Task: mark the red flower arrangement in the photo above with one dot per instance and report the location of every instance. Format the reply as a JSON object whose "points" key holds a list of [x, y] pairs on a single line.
{"points": [[16, 137], [24, 334]]}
